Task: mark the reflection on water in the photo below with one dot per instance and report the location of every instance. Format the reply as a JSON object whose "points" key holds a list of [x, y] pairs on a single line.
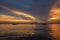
{"points": [[20, 29], [25, 30], [55, 31]]}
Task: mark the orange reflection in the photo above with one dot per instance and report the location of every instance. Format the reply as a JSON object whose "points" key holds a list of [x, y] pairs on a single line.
{"points": [[55, 30], [18, 30]]}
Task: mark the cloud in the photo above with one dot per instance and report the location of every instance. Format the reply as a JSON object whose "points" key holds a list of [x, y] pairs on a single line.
{"points": [[4, 17], [55, 13], [18, 12]]}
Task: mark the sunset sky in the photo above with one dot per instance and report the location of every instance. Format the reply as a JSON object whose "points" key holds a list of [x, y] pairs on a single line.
{"points": [[36, 8]]}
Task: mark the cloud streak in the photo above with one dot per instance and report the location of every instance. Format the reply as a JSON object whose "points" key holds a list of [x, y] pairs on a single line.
{"points": [[19, 13], [4, 17]]}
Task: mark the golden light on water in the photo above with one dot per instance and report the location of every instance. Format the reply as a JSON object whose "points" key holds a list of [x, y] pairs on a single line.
{"points": [[55, 12], [55, 31]]}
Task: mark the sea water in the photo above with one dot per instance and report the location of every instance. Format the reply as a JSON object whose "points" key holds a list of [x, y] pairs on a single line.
{"points": [[38, 31]]}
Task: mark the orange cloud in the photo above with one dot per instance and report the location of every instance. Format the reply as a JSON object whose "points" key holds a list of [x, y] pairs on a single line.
{"points": [[4, 17], [19, 13], [54, 12]]}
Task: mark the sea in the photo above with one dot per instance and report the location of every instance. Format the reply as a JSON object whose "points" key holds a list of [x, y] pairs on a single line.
{"points": [[30, 32]]}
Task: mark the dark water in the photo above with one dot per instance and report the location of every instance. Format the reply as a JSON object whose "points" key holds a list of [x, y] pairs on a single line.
{"points": [[30, 32]]}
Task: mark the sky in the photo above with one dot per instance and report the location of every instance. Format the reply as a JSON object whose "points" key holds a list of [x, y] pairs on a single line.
{"points": [[38, 8]]}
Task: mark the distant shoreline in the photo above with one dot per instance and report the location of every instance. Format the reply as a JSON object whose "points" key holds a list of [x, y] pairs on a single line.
{"points": [[28, 23]]}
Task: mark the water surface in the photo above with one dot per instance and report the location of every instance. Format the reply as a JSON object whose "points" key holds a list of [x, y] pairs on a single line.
{"points": [[25, 30]]}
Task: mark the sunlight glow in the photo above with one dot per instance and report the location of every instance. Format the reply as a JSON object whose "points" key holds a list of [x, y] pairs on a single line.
{"points": [[53, 18], [55, 12], [8, 18], [19, 13]]}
